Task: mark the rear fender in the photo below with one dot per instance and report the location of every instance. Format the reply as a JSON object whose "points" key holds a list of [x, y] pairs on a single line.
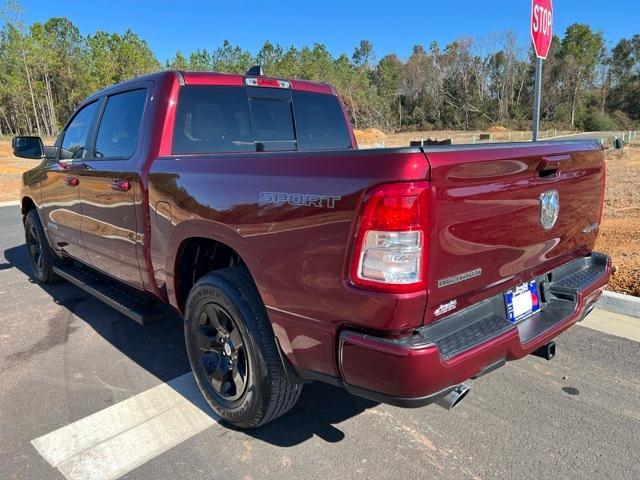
{"points": [[213, 231]]}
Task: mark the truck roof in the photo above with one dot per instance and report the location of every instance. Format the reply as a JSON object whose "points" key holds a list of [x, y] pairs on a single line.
{"points": [[217, 78]]}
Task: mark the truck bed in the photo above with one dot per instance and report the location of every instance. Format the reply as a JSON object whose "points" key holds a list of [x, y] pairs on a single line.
{"points": [[484, 215]]}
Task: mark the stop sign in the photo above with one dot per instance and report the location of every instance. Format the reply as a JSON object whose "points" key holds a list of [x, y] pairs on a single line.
{"points": [[541, 26]]}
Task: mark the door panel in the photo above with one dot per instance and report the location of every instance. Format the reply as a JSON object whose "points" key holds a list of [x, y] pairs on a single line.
{"points": [[108, 188], [62, 214], [109, 220], [60, 187]]}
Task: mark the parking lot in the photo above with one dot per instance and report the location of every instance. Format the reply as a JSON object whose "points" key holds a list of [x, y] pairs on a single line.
{"points": [[87, 394]]}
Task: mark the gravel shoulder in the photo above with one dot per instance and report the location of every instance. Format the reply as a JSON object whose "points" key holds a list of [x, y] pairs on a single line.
{"points": [[620, 230]]}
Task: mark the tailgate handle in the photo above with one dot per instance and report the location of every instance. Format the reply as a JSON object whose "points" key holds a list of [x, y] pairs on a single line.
{"points": [[550, 165]]}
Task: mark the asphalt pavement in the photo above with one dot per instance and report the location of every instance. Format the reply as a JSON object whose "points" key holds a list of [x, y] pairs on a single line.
{"points": [[87, 394]]}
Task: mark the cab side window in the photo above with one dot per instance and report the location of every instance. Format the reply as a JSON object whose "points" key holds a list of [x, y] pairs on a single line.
{"points": [[120, 125], [75, 136]]}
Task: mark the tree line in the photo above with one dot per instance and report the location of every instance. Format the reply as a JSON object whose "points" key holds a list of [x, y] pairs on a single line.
{"points": [[471, 83]]}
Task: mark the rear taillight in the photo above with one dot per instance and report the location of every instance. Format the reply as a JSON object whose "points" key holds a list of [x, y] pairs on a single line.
{"points": [[390, 248]]}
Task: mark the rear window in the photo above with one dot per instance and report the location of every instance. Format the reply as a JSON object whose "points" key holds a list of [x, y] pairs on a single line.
{"points": [[320, 122], [218, 119], [213, 119], [272, 124]]}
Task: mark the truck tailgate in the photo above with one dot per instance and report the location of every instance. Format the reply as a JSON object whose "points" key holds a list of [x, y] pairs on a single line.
{"points": [[485, 216]]}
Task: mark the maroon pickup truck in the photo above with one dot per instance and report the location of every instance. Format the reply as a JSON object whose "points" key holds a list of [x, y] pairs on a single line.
{"points": [[244, 203]]}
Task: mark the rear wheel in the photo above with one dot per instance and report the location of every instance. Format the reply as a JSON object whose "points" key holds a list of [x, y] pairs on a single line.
{"points": [[41, 258], [232, 350]]}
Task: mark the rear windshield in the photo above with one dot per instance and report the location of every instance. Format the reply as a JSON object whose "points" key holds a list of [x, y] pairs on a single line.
{"points": [[320, 122], [219, 119]]}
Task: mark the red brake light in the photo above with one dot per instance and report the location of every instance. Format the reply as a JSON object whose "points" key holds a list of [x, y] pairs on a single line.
{"points": [[390, 249], [266, 82]]}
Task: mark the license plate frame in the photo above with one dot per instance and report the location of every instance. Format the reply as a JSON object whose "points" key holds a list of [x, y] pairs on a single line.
{"points": [[522, 301]]}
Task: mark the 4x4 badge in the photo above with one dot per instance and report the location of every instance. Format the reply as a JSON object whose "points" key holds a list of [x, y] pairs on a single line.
{"points": [[446, 307]]}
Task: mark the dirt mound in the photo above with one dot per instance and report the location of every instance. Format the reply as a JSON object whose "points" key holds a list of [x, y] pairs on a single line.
{"points": [[369, 136], [619, 238], [497, 129], [620, 231]]}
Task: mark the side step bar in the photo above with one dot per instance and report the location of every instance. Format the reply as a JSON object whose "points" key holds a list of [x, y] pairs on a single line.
{"points": [[116, 297]]}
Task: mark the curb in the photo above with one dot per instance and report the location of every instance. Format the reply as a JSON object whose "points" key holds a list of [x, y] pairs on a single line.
{"points": [[9, 204], [619, 303]]}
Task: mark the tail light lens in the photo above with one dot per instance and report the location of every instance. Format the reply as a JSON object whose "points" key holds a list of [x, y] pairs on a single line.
{"points": [[390, 249]]}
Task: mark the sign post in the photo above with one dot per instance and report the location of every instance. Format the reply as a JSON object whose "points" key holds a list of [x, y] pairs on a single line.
{"points": [[541, 35]]}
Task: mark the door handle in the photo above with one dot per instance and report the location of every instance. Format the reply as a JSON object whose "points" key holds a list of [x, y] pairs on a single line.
{"points": [[120, 185], [71, 181], [553, 162]]}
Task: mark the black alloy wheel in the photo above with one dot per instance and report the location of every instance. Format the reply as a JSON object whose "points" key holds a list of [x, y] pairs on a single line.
{"points": [[222, 353], [233, 351], [41, 258], [35, 248]]}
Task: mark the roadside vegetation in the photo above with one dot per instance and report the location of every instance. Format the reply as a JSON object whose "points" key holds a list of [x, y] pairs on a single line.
{"points": [[470, 84]]}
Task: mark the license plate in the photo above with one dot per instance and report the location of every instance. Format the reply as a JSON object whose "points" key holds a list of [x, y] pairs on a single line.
{"points": [[522, 301]]}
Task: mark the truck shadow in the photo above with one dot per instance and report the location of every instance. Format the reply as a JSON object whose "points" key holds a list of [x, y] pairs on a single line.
{"points": [[159, 348]]}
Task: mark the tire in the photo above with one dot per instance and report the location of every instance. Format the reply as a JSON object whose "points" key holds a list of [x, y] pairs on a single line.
{"points": [[233, 352], [41, 258]]}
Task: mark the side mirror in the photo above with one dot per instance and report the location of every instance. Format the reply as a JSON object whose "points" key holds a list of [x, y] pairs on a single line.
{"points": [[28, 147]]}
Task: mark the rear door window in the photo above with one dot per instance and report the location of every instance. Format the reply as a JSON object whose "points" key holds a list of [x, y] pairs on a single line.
{"points": [[120, 125]]}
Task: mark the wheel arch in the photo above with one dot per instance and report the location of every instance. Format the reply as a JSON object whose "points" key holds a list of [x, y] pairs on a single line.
{"points": [[27, 204], [219, 247], [187, 236]]}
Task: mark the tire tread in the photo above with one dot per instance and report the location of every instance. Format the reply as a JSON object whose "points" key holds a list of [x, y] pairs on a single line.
{"points": [[280, 394], [49, 259]]}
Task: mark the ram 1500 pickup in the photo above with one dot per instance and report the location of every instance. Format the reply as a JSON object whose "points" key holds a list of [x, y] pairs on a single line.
{"points": [[244, 203]]}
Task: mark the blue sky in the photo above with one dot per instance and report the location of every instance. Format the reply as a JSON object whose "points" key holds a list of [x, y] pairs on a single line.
{"points": [[392, 26]]}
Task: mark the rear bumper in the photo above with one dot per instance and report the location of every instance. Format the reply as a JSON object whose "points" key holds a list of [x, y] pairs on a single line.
{"points": [[418, 369]]}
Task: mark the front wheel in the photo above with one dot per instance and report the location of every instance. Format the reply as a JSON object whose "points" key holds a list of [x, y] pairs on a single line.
{"points": [[233, 352], [41, 257]]}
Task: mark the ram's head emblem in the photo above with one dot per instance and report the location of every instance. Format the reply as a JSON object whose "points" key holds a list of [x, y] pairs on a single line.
{"points": [[549, 208]]}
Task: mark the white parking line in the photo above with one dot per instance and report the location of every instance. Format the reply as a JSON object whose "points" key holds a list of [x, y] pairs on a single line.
{"points": [[114, 441], [613, 324]]}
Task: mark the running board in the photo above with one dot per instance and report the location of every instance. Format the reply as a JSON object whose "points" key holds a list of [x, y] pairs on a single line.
{"points": [[118, 298]]}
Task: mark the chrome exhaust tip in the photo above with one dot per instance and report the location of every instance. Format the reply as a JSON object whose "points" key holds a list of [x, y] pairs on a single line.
{"points": [[453, 398]]}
